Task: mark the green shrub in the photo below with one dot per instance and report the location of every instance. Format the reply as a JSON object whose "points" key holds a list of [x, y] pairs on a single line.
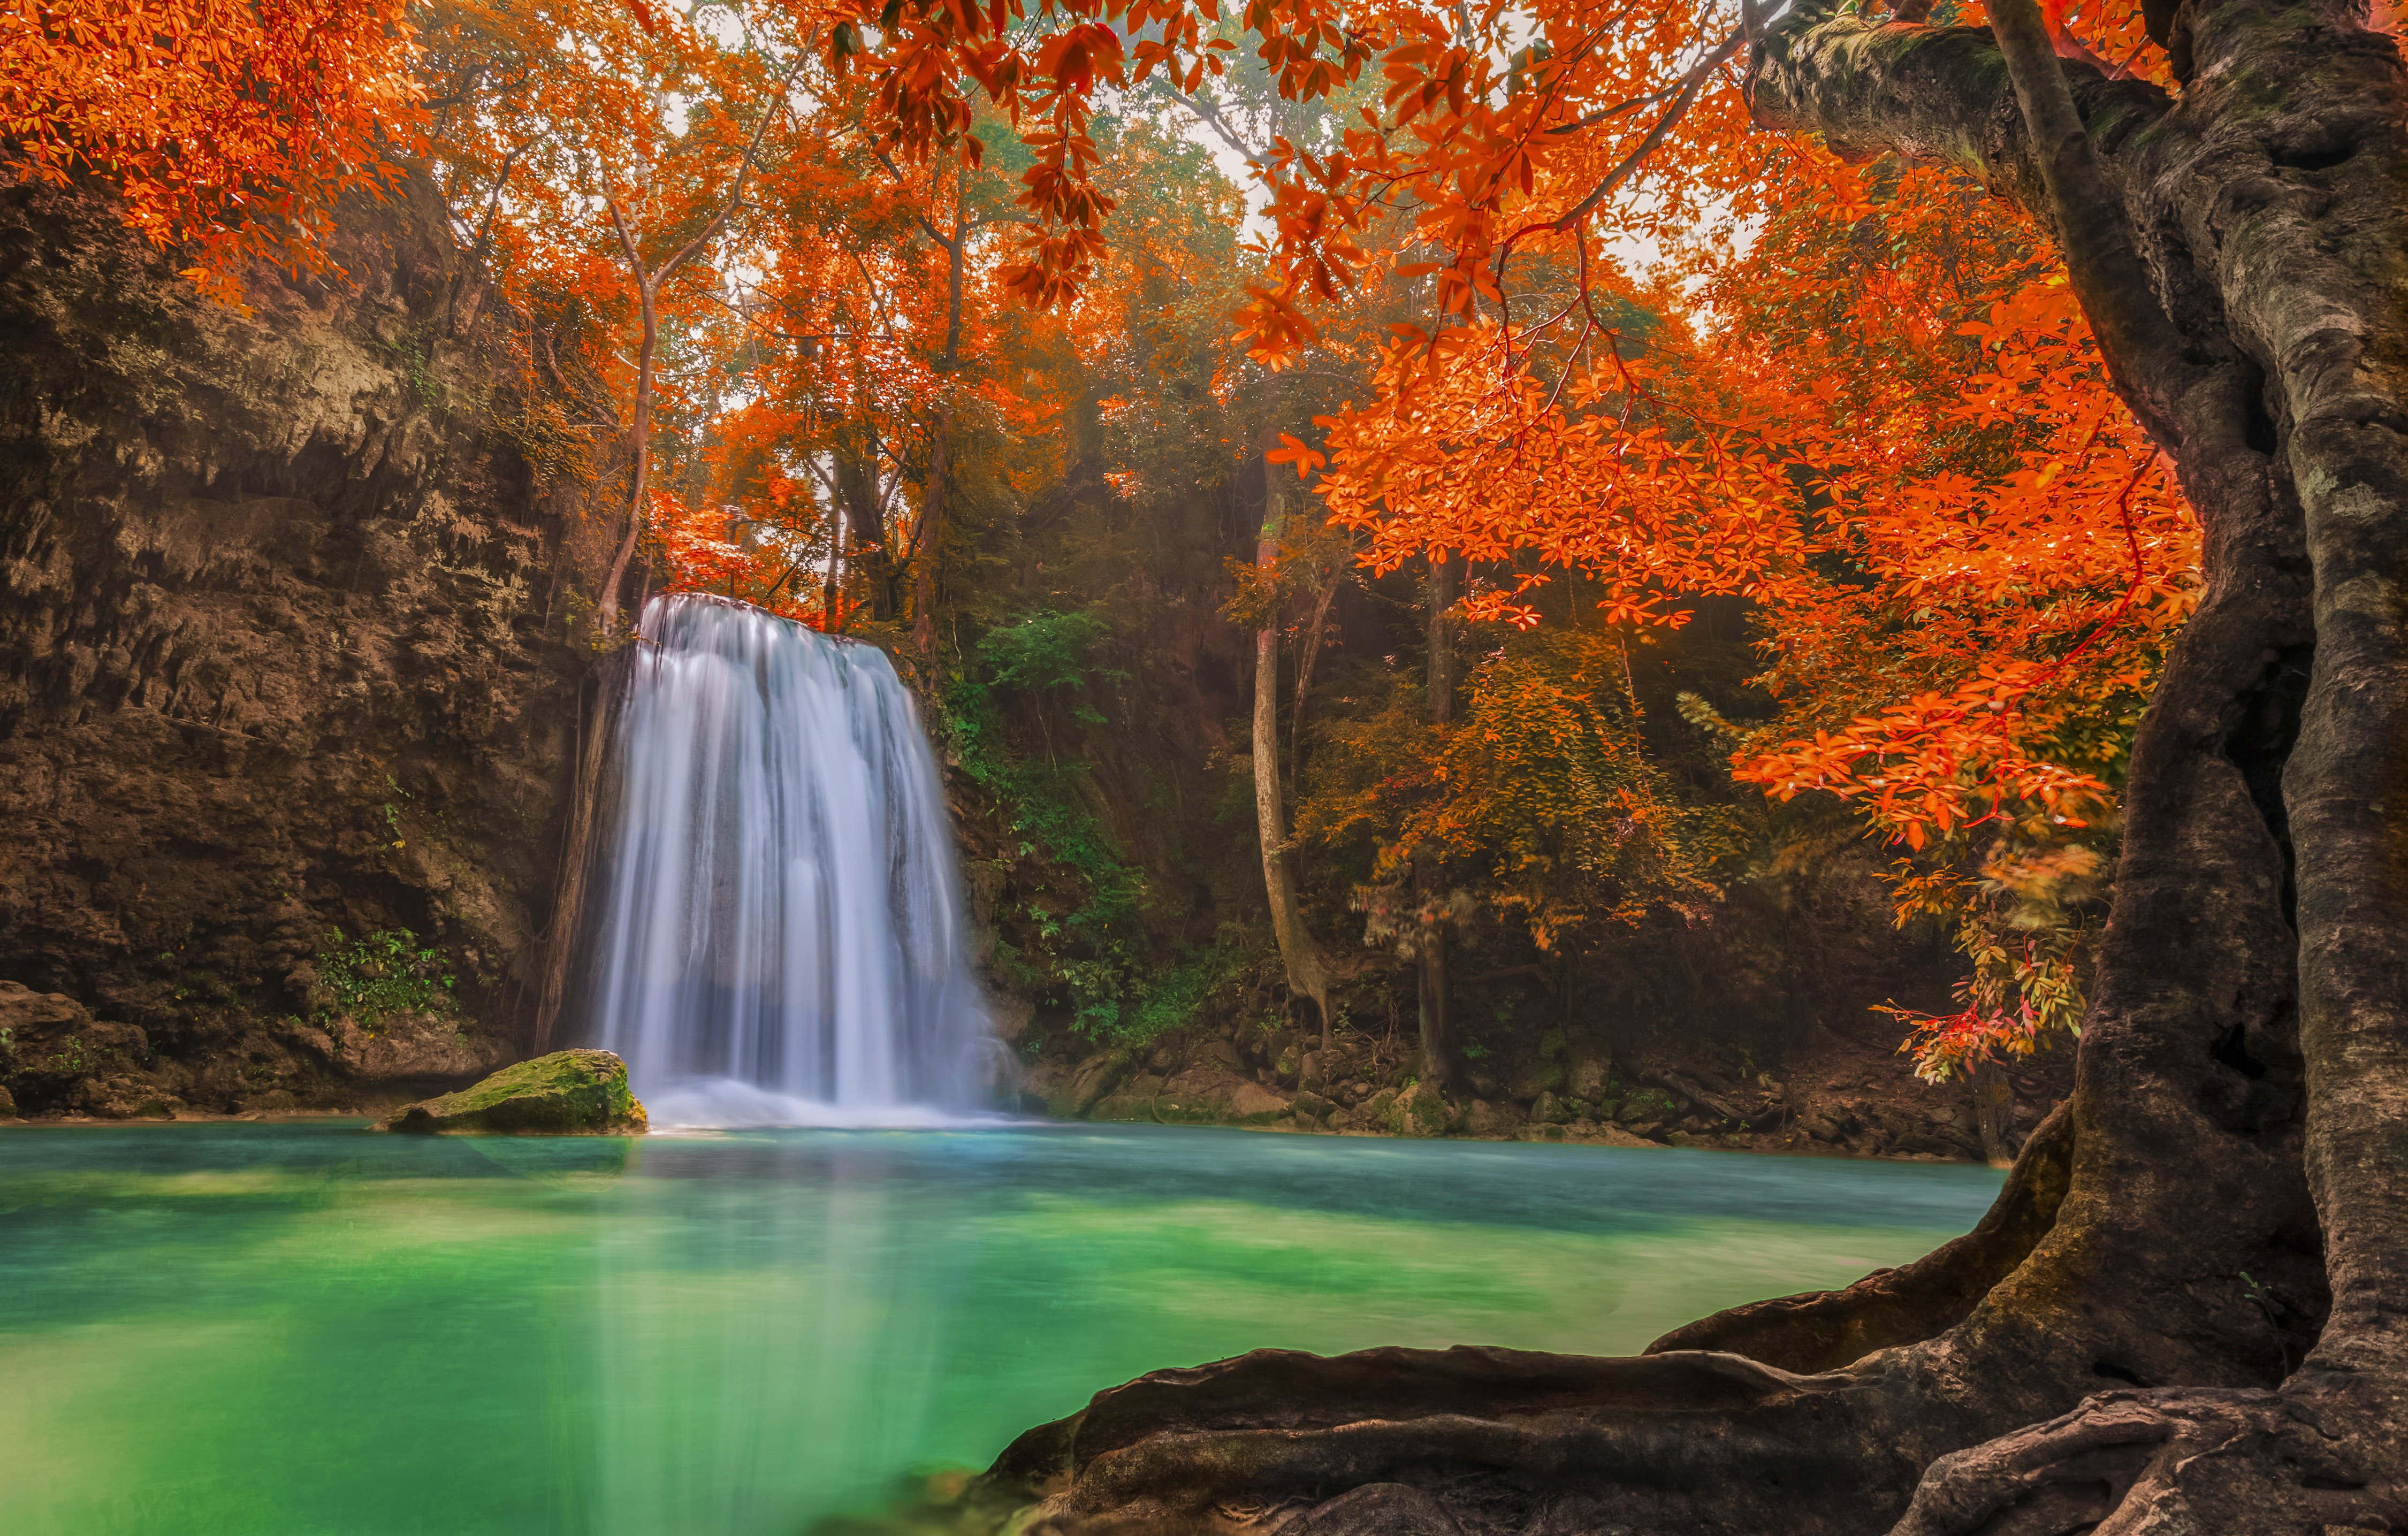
{"points": [[1092, 951], [1175, 996], [381, 974]]}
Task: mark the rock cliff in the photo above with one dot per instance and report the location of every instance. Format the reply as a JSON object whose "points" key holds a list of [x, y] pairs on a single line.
{"points": [[287, 706]]}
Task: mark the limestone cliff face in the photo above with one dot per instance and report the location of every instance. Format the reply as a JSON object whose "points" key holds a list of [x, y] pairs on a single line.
{"points": [[282, 658]]}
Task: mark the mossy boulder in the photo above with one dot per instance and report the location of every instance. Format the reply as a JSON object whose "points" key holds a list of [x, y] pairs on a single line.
{"points": [[1313, 1106], [1419, 1111], [567, 1093], [1088, 1086]]}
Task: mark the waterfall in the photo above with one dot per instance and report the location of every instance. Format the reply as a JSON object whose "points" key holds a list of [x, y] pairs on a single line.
{"points": [[781, 938]]}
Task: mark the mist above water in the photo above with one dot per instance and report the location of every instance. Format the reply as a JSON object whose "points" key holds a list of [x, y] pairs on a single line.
{"points": [[781, 939]]}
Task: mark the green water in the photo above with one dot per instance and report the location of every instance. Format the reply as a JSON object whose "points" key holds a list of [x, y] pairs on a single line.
{"points": [[312, 1330]]}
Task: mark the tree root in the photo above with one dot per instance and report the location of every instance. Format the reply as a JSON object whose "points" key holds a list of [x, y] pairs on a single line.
{"points": [[2302, 1460], [1823, 1330], [1493, 1440], [1480, 1442]]}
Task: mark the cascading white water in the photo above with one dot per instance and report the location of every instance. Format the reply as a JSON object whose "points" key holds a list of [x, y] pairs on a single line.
{"points": [[781, 939]]}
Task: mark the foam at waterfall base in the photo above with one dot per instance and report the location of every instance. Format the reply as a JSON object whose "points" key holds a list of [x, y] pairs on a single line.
{"points": [[723, 1103]]}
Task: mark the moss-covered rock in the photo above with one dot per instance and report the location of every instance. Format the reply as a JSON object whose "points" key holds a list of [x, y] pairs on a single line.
{"points": [[1090, 1085], [567, 1093], [1313, 1106], [1537, 1078], [1417, 1112]]}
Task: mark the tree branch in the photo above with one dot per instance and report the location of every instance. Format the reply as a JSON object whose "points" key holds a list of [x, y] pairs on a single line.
{"points": [[920, 219], [743, 170], [2092, 227], [1683, 100], [1210, 117], [2006, 109]]}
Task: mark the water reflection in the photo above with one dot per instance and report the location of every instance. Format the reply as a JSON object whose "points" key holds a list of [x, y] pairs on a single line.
{"points": [[780, 1349], [281, 1331]]}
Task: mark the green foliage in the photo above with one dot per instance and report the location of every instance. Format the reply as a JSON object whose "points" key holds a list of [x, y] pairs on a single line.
{"points": [[1089, 945], [1542, 796], [1176, 996], [381, 974], [1049, 649]]}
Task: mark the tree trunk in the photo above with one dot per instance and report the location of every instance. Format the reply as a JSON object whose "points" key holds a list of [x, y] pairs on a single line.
{"points": [[2188, 1312], [831, 581], [1307, 655], [1438, 1054], [923, 562], [1994, 1103], [639, 451], [567, 925], [1305, 978], [932, 508]]}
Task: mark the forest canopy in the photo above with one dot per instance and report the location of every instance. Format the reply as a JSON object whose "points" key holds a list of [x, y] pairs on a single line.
{"points": [[1523, 299]]}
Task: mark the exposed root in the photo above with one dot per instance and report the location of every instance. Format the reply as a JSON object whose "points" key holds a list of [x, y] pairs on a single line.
{"points": [[1823, 1330], [2180, 1460], [1492, 1439], [1691, 1445]]}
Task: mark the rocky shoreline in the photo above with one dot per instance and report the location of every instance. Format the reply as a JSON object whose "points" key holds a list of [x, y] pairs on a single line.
{"points": [[58, 1064], [1843, 1097]]}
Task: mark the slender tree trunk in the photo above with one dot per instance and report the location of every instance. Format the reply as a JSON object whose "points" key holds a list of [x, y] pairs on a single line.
{"points": [[591, 746], [933, 500], [1994, 1103], [648, 286], [1429, 882], [1306, 656], [1305, 977], [832, 584], [639, 451], [932, 528]]}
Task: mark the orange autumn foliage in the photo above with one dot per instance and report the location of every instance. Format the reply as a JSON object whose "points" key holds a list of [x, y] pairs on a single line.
{"points": [[1886, 428], [1857, 396], [230, 128]]}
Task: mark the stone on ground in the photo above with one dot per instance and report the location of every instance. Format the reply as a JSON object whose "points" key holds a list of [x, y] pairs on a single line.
{"points": [[567, 1093]]}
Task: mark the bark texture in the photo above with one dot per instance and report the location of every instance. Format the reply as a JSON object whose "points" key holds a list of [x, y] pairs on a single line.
{"points": [[1437, 1053], [2189, 1311], [1305, 976]]}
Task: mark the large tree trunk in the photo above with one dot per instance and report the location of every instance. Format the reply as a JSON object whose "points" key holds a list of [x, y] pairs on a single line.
{"points": [[2189, 1311], [1302, 960], [1437, 1053]]}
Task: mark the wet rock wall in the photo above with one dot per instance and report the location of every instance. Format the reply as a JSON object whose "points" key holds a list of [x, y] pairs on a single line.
{"points": [[287, 701]]}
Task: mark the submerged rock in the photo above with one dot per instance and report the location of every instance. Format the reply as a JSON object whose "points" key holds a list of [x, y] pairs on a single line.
{"points": [[567, 1093]]}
